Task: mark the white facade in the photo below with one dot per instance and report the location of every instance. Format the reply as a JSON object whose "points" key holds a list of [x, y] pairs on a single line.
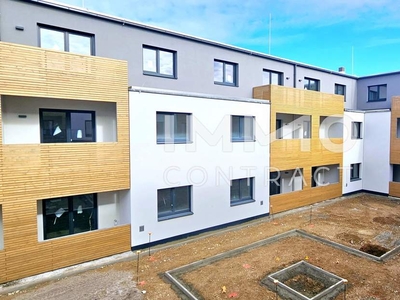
{"points": [[207, 164]]}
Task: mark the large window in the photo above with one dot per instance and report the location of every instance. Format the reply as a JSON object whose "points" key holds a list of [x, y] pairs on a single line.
{"points": [[272, 77], [173, 128], [66, 40], [174, 202], [355, 172], [225, 73], [340, 89], [356, 130], [69, 215], [242, 191], [242, 128], [377, 92], [64, 126], [311, 84], [159, 62]]}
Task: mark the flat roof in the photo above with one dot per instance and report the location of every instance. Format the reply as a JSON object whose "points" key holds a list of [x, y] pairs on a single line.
{"points": [[124, 21]]}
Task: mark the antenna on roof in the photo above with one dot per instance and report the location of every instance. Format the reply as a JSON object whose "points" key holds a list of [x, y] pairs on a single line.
{"points": [[269, 34]]}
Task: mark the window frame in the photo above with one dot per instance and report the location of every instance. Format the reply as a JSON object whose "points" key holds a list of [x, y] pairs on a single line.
{"points": [[242, 137], [158, 62], [242, 200], [189, 125], [378, 86], [66, 33], [68, 112], [356, 128], [355, 171], [309, 79], [175, 214], [70, 216], [338, 85], [235, 76], [271, 72]]}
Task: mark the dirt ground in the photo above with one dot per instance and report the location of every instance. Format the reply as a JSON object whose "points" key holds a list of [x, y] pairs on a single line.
{"points": [[355, 222]]}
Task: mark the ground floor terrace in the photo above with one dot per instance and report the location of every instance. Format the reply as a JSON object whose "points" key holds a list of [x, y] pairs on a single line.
{"points": [[227, 270]]}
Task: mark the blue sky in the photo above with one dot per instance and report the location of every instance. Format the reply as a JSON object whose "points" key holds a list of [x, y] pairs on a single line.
{"points": [[317, 32]]}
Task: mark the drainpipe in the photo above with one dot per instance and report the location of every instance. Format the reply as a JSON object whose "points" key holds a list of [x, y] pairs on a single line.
{"points": [[294, 75]]}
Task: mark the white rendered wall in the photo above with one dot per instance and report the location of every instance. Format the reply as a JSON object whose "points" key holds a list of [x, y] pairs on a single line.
{"points": [[293, 125], [207, 164], [377, 170], [353, 151], [331, 127], [27, 130]]}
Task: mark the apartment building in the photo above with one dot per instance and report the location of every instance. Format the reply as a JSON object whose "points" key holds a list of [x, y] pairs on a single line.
{"points": [[116, 134]]}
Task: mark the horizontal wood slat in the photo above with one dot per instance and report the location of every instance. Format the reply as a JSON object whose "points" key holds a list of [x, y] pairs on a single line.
{"points": [[288, 154], [29, 173], [394, 189], [394, 141]]}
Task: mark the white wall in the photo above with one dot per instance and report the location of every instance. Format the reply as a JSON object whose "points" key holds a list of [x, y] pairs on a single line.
{"points": [[327, 174], [207, 164], [331, 127], [353, 151], [377, 169], [293, 125], [27, 130]]}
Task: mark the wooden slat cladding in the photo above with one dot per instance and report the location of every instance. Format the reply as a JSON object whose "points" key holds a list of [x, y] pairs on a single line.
{"points": [[394, 189], [33, 172], [394, 140], [288, 154]]}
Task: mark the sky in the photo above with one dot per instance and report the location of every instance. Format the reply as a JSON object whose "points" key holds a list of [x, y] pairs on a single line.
{"points": [[361, 35]]}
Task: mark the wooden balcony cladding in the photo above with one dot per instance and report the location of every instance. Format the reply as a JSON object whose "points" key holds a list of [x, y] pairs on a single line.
{"points": [[36, 72], [394, 189], [394, 140], [62, 252]]}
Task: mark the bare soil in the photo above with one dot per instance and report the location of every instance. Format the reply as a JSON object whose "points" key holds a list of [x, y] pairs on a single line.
{"points": [[355, 221]]}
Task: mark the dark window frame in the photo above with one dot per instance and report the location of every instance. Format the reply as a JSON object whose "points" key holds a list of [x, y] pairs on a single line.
{"points": [[243, 200], [371, 94], [242, 137], [271, 72], [70, 212], [355, 172], [67, 32], [275, 183], [337, 91], [307, 84], [356, 128], [235, 73], [158, 62], [188, 138], [172, 214], [68, 112]]}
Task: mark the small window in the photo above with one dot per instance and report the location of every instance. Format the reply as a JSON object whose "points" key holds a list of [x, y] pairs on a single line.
{"points": [[174, 202], [311, 84], [242, 191], [66, 40], [274, 183], [225, 73], [64, 126], [242, 128], [69, 215], [398, 128], [377, 92], [159, 62], [173, 128], [340, 89], [272, 77], [356, 130], [355, 172]]}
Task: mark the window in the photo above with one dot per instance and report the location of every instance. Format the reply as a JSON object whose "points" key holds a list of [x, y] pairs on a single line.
{"points": [[66, 40], [340, 89], [69, 215], [159, 62], [225, 73], [64, 126], [356, 130], [174, 202], [274, 183], [311, 84], [173, 128], [398, 128], [377, 92], [355, 171], [242, 129], [242, 191], [272, 77]]}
